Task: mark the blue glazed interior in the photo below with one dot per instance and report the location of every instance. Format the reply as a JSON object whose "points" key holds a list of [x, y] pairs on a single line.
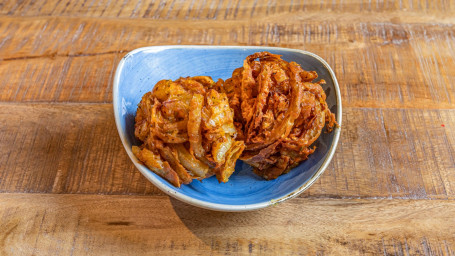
{"points": [[144, 68]]}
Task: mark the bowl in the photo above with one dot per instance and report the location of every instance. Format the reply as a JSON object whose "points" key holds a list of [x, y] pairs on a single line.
{"points": [[140, 69]]}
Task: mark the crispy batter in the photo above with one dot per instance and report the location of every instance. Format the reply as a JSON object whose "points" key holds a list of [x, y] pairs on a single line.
{"points": [[268, 114], [278, 112], [154, 162], [188, 131]]}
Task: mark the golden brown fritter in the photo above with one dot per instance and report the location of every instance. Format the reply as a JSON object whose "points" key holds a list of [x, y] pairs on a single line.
{"points": [[188, 131], [278, 112]]}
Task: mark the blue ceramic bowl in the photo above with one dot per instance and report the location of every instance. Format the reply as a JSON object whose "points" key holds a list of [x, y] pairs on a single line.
{"points": [[140, 69]]}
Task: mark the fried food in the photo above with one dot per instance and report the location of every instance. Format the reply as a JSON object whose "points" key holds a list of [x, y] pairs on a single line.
{"points": [[278, 112], [187, 131], [268, 114]]}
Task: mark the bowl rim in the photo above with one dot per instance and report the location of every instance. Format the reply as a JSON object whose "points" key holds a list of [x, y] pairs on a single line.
{"points": [[164, 186]]}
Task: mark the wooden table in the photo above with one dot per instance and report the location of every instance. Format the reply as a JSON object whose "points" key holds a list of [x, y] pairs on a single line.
{"points": [[68, 187]]}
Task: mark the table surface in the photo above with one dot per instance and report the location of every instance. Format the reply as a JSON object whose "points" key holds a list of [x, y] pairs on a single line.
{"points": [[68, 187]]}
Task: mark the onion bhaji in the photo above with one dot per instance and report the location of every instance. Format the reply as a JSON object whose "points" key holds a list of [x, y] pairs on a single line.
{"points": [[187, 131], [267, 114], [278, 112]]}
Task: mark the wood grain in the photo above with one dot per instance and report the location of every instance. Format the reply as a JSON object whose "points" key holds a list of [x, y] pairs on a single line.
{"points": [[380, 62], [65, 148], [67, 186], [75, 148], [219, 9], [100, 225]]}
